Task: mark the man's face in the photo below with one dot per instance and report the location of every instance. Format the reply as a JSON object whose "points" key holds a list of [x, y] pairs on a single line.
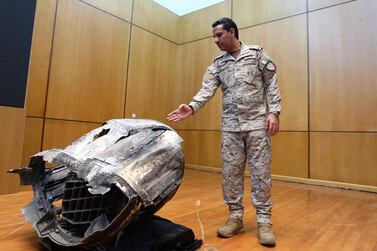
{"points": [[223, 38]]}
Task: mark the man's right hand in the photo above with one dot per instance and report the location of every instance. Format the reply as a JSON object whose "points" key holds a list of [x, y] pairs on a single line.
{"points": [[183, 111]]}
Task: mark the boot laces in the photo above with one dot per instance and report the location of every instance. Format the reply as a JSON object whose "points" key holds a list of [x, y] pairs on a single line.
{"points": [[231, 222], [265, 227]]}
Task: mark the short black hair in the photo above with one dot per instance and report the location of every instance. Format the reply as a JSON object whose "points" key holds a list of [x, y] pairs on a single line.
{"points": [[227, 24]]}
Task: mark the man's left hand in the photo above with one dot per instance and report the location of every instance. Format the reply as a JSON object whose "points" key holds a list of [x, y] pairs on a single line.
{"points": [[272, 124]]}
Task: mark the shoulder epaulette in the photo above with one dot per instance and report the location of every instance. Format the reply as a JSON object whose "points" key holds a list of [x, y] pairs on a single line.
{"points": [[255, 47], [218, 57]]}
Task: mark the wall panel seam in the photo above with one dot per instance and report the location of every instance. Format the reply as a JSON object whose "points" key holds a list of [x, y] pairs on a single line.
{"points": [[34, 117], [231, 9], [129, 22], [196, 40], [274, 20], [308, 80], [298, 180], [198, 130], [171, 12], [71, 120], [330, 6], [209, 7], [109, 13], [267, 22], [345, 132], [128, 62], [155, 34], [218, 130], [49, 74]]}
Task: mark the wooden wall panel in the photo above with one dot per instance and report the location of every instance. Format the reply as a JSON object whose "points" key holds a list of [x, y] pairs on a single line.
{"points": [[194, 60], [40, 57], [32, 143], [198, 24], [344, 157], [317, 4], [251, 12], [290, 151], [290, 156], [202, 148], [89, 62], [343, 59], [290, 54], [152, 76], [89, 69], [119, 8], [60, 133], [12, 126], [153, 17]]}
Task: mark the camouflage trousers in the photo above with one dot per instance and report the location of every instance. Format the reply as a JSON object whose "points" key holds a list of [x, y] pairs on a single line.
{"points": [[255, 147]]}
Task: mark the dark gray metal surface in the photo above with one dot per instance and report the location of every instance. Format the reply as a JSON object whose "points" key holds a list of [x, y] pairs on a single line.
{"points": [[102, 181]]}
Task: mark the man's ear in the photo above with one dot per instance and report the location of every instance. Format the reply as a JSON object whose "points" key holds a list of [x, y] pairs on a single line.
{"points": [[233, 31]]}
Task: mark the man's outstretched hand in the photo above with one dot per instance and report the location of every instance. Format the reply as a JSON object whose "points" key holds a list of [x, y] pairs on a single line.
{"points": [[183, 111]]}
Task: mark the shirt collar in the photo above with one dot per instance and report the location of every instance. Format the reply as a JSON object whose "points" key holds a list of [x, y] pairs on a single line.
{"points": [[244, 52]]}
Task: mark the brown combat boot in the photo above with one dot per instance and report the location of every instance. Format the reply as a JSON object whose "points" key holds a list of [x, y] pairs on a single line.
{"points": [[265, 235], [231, 227]]}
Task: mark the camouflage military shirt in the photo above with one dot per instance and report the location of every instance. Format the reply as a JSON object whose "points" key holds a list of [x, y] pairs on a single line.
{"points": [[249, 86]]}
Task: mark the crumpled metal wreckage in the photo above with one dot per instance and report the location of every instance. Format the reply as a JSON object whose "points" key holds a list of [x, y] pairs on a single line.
{"points": [[102, 181]]}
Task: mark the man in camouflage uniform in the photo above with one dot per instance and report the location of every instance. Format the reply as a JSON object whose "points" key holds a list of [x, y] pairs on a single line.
{"points": [[251, 108]]}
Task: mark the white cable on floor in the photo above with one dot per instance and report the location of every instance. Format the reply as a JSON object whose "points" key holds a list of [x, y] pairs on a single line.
{"points": [[200, 222], [206, 247]]}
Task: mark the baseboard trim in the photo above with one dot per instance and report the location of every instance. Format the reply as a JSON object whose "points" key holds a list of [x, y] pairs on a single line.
{"points": [[325, 183]]}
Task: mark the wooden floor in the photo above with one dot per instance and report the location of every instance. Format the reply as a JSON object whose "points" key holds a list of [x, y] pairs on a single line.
{"points": [[305, 217]]}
